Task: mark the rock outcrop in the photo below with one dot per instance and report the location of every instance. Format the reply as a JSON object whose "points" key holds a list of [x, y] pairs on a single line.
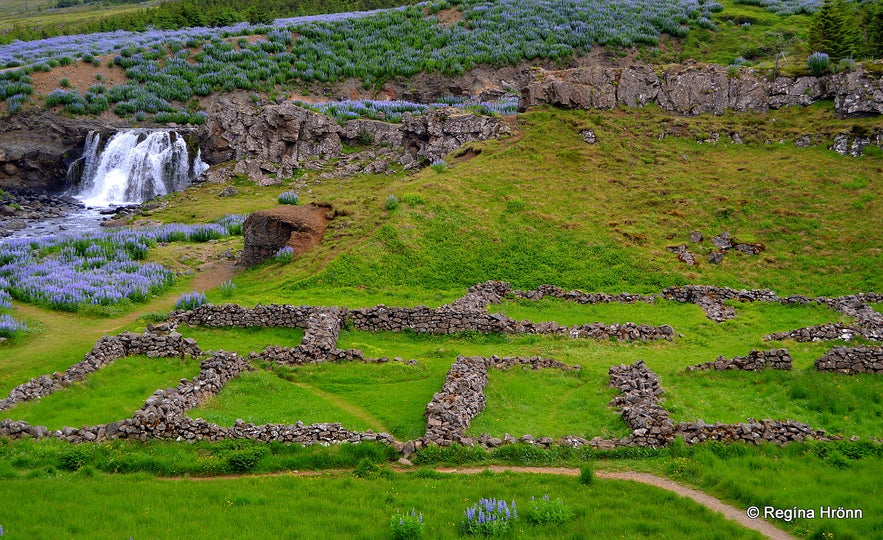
{"points": [[693, 89], [265, 232], [271, 142], [36, 149]]}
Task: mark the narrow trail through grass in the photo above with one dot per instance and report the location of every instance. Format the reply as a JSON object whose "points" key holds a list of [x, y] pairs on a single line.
{"points": [[730, 512], [712, 503], [354, 410]]}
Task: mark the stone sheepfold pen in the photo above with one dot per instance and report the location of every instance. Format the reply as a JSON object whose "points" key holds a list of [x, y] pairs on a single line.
{"points": [[461, 399]]}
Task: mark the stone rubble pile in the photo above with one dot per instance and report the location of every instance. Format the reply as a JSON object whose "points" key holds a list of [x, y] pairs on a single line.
{"points": [[755, 361], [852, 360], [583, 298], [155, 344], [479, 297]]}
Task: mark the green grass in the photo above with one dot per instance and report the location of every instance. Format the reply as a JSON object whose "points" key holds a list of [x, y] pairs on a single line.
{"points": [[110, 394], [541, 207], [338, 507], [262, 397], [801, 475], [242, 340], [548, 403]]}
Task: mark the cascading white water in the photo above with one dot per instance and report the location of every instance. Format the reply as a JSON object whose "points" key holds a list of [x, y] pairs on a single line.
{"points": [[135, 166]]}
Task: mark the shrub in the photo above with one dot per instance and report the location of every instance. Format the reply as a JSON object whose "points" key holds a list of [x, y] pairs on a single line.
{"points": [[10, 326], [818, 62], [227, 288], [65, 83], [245, 459], [546, 510], [488, 517], [586, 475], [289, 197], [392, 202], [404, 526], [366, 468], [284, 255], [439, 166], [74, 458], [190, 300]]}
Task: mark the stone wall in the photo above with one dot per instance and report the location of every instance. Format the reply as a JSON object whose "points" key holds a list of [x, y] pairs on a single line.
{"points": [[234, 315], [163, 417], [754, 361], [852, 360], [108, 349], [820, 332], [318, 345], [752, 431], [651, 425], [868, 321], [639, 405], [693, 89], [450, 412], [446, 320]]}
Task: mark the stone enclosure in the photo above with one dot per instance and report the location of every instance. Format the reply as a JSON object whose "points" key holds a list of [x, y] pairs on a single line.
{"points": [[451, 410]]}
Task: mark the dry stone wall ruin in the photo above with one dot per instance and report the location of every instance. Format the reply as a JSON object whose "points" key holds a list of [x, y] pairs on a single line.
{"points": [[450, 412], [851, 360], [754, 361]]}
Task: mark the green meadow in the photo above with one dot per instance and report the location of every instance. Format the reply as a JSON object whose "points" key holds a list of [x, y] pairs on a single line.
{"points": [[538, 207]]}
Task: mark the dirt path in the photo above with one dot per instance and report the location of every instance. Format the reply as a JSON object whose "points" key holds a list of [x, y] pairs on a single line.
{"points": [[212, 274], [730, 512]]}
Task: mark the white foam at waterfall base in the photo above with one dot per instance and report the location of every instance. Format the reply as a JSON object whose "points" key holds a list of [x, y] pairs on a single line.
{"points": [[135, 166]]}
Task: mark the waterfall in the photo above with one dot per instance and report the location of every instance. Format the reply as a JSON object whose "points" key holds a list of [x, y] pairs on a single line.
{"points": [[134, 166]]}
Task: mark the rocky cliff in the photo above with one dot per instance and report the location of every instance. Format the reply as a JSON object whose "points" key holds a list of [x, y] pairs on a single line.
{"points": [[271, 142], [702, 89], [36, 149]]}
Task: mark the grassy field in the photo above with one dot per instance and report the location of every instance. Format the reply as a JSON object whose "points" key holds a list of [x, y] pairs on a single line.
{"points": [[341, 506], [539, 207]]}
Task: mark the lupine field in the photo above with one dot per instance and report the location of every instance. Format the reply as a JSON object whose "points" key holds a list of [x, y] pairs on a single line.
{"points": [[69, 272], [168, 67]]}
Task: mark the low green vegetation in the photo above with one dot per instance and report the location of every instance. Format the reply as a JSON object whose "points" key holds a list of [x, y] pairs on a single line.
{"points": [[340, 506], [539, 207], [108, 395]]}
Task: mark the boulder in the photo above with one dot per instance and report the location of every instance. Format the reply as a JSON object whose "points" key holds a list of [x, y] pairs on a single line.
{"points": [[265, 232]]}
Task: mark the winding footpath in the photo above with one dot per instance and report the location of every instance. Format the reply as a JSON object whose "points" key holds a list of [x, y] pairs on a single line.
{"points": [[730, 512]]}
